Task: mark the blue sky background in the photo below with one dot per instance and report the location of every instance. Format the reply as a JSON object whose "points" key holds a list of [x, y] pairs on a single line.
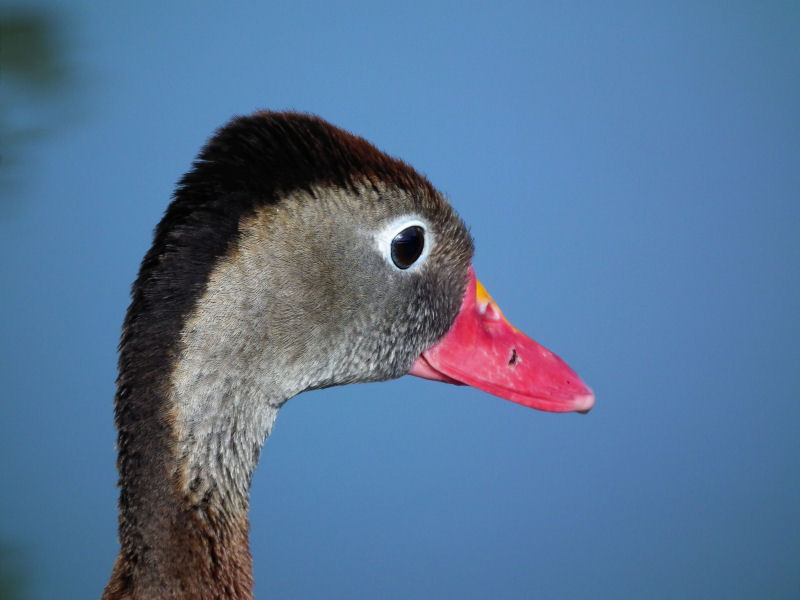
{"points": [[631, 175]]}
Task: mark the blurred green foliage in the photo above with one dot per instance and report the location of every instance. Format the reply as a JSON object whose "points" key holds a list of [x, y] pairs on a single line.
{"points": [[32, 75], [12, 574], [33, 79], [29, 51]]}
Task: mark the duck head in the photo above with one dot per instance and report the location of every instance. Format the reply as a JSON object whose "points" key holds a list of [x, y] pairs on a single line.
{"points": [[294, 256]]}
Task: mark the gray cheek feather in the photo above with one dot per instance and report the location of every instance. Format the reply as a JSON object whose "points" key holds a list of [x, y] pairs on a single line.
{"points": [[304, 301]]}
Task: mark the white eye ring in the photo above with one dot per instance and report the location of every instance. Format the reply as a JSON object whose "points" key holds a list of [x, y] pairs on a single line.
{"points": [[385, 237]]}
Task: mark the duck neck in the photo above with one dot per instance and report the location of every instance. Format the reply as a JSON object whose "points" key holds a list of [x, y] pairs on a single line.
{"points": [[188, 449]]}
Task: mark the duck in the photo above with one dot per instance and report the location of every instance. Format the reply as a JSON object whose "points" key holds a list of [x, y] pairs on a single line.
{"points": [[293, 256]]}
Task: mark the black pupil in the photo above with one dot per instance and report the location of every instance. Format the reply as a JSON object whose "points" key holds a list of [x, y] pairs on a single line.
{"points": [[407, 246]]}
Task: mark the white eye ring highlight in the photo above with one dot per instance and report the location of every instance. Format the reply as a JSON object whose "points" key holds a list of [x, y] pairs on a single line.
{"points": [[385, 237]]}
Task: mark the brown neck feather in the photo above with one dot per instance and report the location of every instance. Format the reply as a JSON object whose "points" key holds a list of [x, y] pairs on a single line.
{"points": [[198, 551], [188, 443]]}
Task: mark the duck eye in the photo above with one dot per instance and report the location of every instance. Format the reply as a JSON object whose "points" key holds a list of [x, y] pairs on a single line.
{"points": [[407, 246]]}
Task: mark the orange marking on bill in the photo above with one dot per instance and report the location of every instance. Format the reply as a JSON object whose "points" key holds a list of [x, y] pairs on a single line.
{"points": [[488, 306], [481, 294]]}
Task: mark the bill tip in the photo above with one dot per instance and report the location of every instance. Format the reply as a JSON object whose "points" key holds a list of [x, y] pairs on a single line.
{"points": [[584, 403]]}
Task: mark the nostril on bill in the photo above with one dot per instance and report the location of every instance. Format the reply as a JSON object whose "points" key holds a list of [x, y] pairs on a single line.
{"points": [[514, 358]]}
